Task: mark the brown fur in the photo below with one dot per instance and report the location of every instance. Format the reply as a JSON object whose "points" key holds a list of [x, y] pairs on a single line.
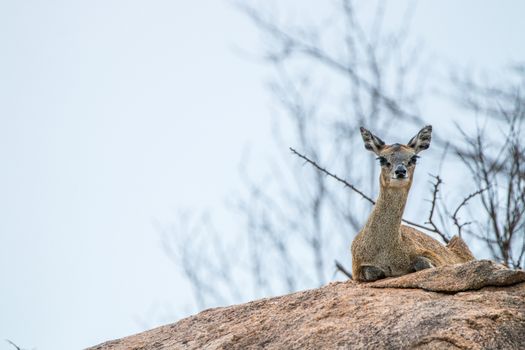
{"points": [[383, 242]]}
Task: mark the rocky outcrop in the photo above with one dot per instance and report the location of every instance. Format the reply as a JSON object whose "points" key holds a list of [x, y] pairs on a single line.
{"points": [[478, 305]]}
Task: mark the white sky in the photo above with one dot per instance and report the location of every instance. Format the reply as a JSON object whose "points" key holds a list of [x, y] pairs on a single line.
{"points": [[114, 114]]}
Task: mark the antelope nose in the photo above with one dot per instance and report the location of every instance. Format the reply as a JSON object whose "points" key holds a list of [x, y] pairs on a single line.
{"points": [[400, 171]]}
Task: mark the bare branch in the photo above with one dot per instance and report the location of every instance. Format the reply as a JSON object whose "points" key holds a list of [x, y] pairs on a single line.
{"points": [[495, 161], [463, 203], [326, 172], [13, 344], [296, 44], [430, 219], [339, 267]]}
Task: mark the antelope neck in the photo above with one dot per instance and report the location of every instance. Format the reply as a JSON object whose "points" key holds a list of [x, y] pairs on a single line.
{"points": [[386, 216]]}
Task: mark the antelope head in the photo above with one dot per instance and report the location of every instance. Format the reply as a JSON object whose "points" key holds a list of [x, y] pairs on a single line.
{"points": [[397, 161]]}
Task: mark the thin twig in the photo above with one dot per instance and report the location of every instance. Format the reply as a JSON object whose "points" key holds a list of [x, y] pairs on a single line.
{"points": [[462, 204], [16, 346], [341, 268], [318, 167], [430, 221]]}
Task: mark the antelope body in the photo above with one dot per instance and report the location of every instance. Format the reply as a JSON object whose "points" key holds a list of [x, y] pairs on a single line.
{"points": [[384, 247]]}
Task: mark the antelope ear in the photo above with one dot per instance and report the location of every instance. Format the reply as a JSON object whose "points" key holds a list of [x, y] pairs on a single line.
{"points": [[422, 140], [372, 142]]}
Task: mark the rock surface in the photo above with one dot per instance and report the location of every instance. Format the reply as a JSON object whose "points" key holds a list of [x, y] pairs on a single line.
{"points": [[478, 305]]}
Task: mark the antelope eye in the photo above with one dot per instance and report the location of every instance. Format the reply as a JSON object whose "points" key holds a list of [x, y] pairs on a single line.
{"points": [[383, 161], [413, 160]]}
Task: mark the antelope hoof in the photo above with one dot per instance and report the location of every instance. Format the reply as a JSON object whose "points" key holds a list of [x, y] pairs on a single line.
{"points": [[421, 263], [371, 273]]}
